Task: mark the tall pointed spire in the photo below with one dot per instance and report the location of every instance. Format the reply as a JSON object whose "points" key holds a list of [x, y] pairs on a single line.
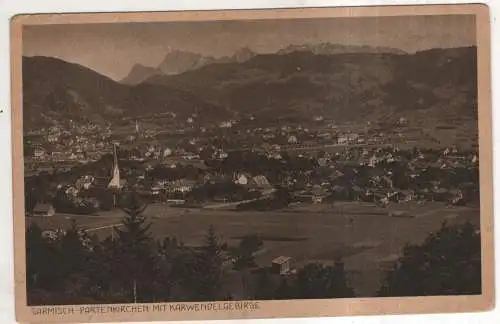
{"points": [[115, 157], [115, 180]]}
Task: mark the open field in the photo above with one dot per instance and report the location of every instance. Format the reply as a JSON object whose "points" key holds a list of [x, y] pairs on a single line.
{"points": [[367, 237]]}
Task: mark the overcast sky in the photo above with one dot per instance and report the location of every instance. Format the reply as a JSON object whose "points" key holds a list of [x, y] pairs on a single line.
{"points": [[112, 49]]}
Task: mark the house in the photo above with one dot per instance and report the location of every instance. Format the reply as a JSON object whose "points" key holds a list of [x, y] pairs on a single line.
{"points": [[317, 199], [275, 155], [181, 186], [259, 181], [242, 178], [39, 152], [44, 210], [84, 182], [52, 138], [394, 196], [408, 195], [52, 235], [167, 152], [458, 198], [402, 121], [342, 139], [123, 183], [222, 155], [281, 265], [101, 182], [175, 202], [226, 124], [325, 136], [190, 156], [292, 139], [352, 137], [88, 202], [72, 191], [155, 190], [323, 161], [372, 162], [383, 201], [347, 138]]}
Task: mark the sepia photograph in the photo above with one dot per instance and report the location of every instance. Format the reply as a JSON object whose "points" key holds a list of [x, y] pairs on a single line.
{"points": [[245, 160]]}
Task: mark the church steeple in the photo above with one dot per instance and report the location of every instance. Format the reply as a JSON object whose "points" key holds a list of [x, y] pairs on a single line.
{"points": [[115, 180]]}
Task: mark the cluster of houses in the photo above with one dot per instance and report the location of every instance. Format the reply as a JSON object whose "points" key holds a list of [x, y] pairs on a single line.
{"points": [[82, 193], [371, 177], [86, 144], [329, 181]]}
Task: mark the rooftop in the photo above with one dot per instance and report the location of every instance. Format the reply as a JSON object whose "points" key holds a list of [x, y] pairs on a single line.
{"points": [[281, 259]]}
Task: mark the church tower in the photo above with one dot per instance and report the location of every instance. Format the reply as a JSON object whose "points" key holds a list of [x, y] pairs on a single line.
{"points": [[114, 184], [115, 180]]}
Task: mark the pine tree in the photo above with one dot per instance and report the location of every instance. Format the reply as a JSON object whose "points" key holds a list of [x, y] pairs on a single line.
{"points": [[245, 252], [104, 270], [265, 287], [209, 268], [73, 259], [31, 197], [43, 268], [134, 247], [319, 281], [37, 253], [284, 290], [447, 263]]}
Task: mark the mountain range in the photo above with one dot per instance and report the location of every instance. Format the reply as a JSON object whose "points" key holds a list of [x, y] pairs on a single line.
{"points": [[437, 84], [177, 62], [56, 91], [432, 87], [331, 49]]}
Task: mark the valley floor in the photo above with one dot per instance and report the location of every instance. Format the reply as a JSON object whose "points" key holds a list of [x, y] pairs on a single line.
{"points": [[367, 237]]}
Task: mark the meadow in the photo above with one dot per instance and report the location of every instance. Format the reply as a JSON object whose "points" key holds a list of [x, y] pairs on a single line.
{"points": [[366, 237]]}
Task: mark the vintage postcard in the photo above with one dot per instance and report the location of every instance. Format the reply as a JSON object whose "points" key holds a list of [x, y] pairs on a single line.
{"points": [[252, 163]]}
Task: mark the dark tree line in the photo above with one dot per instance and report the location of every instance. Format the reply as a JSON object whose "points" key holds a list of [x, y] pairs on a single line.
{"points": [[313, 281], [447, 263], [227, 189], [130, 266]]}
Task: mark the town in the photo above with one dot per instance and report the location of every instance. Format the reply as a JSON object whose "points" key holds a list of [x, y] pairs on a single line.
{"points": [[291, 175], [231, 163]]}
